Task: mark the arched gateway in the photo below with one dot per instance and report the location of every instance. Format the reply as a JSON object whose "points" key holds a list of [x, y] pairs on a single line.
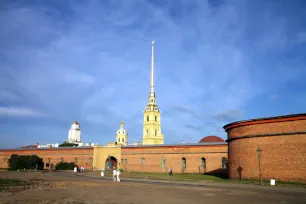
{"points": [[110, 162]]}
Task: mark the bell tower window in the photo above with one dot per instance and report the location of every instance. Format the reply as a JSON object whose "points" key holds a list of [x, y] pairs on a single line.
{"points": [[147, 118], [155, 118]]}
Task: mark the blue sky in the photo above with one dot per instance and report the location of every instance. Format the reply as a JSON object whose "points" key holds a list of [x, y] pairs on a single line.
{"points": [[216, 62]]}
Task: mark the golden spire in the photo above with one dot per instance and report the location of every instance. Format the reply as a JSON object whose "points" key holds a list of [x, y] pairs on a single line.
{"points": [[152, 69]]}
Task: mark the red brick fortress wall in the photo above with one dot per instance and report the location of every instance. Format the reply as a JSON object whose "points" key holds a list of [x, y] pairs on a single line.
{"points": [[81, 156], [149, 159], [282, 141]]}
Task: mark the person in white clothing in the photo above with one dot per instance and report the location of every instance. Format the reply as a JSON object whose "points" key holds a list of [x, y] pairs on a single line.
{"points": [[114, 174], [117, 174], [102, 173], [75, 170]]}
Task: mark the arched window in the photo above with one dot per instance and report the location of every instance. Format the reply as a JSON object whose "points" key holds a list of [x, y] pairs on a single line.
{"points": [[224, 163], [147, 118], [155, 118], [155, 132], [75, 160], [163, 163], [5, 159], [203, 163], [118, 139], [122, 139], [125, 161], [183, 163], [142, 161]]}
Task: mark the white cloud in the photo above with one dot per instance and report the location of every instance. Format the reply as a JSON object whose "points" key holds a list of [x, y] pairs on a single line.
{"points": [[19, 112], [96, 118], [95, 65], [274, 96], [301, 37], [73, 76], [229, 116], [8, 96]]}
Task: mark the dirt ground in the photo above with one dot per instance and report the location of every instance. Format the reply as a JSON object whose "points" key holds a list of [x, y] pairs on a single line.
{"points": [[64, 187]]}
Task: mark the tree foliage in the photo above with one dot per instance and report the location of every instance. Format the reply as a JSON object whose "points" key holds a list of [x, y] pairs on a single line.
{"points": [[67, 144], [16, 162], [65, 166]]}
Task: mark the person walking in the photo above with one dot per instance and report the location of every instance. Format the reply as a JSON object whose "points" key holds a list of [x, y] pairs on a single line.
{"points": [[170, 172], [102, 173], [114, 174], [117, 174], [75, 170]]}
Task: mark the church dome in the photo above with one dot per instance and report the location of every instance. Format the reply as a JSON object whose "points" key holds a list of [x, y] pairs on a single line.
{"points": [[211, 139], [75, 125], [122, 130]]}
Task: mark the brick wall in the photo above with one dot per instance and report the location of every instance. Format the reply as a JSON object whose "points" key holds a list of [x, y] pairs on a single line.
{"points": [[283, 155], [149, 159], [82, 156]]}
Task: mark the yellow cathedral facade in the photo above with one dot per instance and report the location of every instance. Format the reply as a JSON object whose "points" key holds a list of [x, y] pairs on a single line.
{"points": [[152, 133], [122, 135]]}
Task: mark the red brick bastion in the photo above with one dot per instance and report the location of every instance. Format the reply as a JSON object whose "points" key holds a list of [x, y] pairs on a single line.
{"points": [[282, 140]]}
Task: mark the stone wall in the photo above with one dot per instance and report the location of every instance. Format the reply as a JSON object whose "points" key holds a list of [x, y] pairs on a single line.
{"points": [[149, 159], [283, 144], [81, 156]]}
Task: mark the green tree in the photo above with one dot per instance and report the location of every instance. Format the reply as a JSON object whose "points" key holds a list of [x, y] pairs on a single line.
{"points": [[65, 166], [67, 144], [16, 162]]}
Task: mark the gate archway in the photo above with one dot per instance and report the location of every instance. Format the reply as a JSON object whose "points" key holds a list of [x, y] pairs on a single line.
{"points": [[111, 162]]}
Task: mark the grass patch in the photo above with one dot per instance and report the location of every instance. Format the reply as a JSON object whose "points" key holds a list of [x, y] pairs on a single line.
{"points": [[166, 176], [199, 177], [267, 182], [5, 183]]}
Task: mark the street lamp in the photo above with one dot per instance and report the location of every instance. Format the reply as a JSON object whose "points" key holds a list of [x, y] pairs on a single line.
{"points": [[259, 164]]}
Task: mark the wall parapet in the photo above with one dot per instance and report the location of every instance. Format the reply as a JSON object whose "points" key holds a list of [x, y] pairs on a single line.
{"points": [[265, 135], [284, 118]]}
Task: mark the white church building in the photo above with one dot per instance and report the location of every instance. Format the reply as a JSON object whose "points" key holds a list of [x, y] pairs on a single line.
{"points": [[74, 136]]}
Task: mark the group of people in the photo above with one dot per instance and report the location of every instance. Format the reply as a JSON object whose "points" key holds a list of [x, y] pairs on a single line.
{"points": [[76, 169], [116, 174]]}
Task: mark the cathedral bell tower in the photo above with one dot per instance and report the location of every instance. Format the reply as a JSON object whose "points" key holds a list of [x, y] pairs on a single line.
{"points": [[151, 123], [122, 135]]}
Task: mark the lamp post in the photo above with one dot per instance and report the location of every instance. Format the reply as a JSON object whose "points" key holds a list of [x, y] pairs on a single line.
{"points": [[259, 164]]}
